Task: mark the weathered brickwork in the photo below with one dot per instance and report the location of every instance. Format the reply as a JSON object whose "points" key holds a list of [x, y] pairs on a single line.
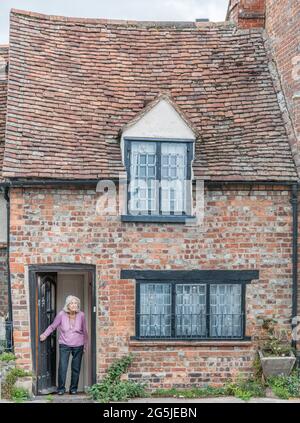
{"points": [[3, 281], [282, 25], [247, 13], [281, 19], [244, 229]]}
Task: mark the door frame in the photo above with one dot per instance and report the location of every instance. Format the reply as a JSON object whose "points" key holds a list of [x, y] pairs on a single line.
{"points": [[56, 268]]}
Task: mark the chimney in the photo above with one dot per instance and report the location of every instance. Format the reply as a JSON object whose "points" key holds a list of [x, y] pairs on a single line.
{"points": [[247, 13]]}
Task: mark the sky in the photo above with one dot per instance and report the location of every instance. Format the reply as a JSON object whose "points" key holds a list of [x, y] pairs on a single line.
{"points": [[157, 10]]}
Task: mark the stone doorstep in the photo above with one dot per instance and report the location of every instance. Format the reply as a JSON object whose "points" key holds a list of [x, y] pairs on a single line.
{"points": [[66, 398]]}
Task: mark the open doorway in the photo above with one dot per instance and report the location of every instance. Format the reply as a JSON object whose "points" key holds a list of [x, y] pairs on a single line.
{"points": [[78, 284], [49, 287]]}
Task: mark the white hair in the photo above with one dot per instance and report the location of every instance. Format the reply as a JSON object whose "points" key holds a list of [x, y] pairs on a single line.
{"points": [[69, 299]]}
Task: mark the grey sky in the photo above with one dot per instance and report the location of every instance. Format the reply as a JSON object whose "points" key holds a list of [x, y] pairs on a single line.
{"points": [[163, 10]]}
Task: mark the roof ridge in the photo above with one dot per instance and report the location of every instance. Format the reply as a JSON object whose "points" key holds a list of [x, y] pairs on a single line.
{"points": [[129, 22]]}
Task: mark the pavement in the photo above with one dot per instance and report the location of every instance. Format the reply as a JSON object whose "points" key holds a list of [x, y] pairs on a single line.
{"points": [[67, 399]]}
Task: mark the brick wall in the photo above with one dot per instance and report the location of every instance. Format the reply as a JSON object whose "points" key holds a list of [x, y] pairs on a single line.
{"points": [[282, 25], [245, 229], [282, 22], [247, 13], [3, 282]]}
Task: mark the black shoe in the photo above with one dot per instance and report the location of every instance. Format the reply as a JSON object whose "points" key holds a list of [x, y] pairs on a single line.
{"points": [[73, 392], [61, 392]]}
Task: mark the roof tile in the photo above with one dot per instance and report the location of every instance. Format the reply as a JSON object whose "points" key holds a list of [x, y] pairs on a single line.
{"points": [[74, 83]]}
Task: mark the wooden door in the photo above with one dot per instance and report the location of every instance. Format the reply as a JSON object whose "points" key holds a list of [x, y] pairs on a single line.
{"points": [[46, 354]]}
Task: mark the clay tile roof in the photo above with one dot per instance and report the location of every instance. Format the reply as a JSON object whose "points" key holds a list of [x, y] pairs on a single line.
{"points": [[75, 83], [3, 99]]}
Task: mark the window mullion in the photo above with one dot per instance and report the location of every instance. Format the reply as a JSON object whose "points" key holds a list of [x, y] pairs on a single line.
{"points": [[208, 310], [158, 176], [188, 186], [138, 309], [243, 310], [173, 310], [128, 146]]}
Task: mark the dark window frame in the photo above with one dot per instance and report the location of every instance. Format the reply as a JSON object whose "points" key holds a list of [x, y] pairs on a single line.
{"points": [[173, 337], [148, 217], [243, 277]]}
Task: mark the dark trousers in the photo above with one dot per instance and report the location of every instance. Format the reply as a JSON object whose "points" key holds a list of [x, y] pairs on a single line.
{"points": [[64, 355]]}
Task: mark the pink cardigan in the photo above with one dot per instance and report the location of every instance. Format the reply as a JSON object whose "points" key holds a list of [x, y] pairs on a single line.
{"points": [[73, 337]]}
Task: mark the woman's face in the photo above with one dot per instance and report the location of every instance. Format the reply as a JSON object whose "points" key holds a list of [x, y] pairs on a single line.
{"points": [[73, 305]]}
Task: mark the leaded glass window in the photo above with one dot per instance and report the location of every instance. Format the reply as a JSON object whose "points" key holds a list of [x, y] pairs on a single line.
{"points": [[155, 310], [190, 310], [225, 310], [159, 177], [173, 177], [143, 190]]}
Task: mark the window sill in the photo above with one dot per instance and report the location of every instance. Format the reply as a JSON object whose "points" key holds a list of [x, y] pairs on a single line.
{"points": [[195, 343], [158, 219]]}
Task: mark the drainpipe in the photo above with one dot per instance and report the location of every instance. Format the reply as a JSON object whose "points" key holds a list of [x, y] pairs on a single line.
{"points": [[294, 202], [10, 313]]}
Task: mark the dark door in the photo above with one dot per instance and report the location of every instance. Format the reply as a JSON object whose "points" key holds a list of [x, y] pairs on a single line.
{"points": [[46, 351]]}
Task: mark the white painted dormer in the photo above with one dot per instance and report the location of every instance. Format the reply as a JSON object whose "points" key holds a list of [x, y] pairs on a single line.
{"points": [[161, 121]]}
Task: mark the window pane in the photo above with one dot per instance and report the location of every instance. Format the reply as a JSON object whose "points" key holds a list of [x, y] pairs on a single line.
{"points": [[173, 173], [143, 187], [190, 310], [155, 310], [225, 310]]}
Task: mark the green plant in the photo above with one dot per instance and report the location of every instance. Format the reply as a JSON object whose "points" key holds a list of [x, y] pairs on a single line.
{"points": [[207, 391], [112, 388], [285, 387], [7, 357], [19, 394], [49, 397], [257, 368], [119, 367], [245, 389], [275, 340], [10, 380]]}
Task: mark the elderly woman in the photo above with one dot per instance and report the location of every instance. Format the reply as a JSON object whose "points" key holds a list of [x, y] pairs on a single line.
{"points": [[72, 339]]}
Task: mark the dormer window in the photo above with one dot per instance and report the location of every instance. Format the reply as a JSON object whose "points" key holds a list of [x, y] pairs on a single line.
{"points": [[159, 174], [158, 151]]}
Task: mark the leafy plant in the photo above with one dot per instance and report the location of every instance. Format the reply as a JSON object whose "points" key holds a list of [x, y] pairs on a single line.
{"points": [[19, 394], [7, 357], [245, 389], [207, 391], [112, 388], [285, 387], [10, 380], [119, 367], [275, 340], [257, 368]]}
